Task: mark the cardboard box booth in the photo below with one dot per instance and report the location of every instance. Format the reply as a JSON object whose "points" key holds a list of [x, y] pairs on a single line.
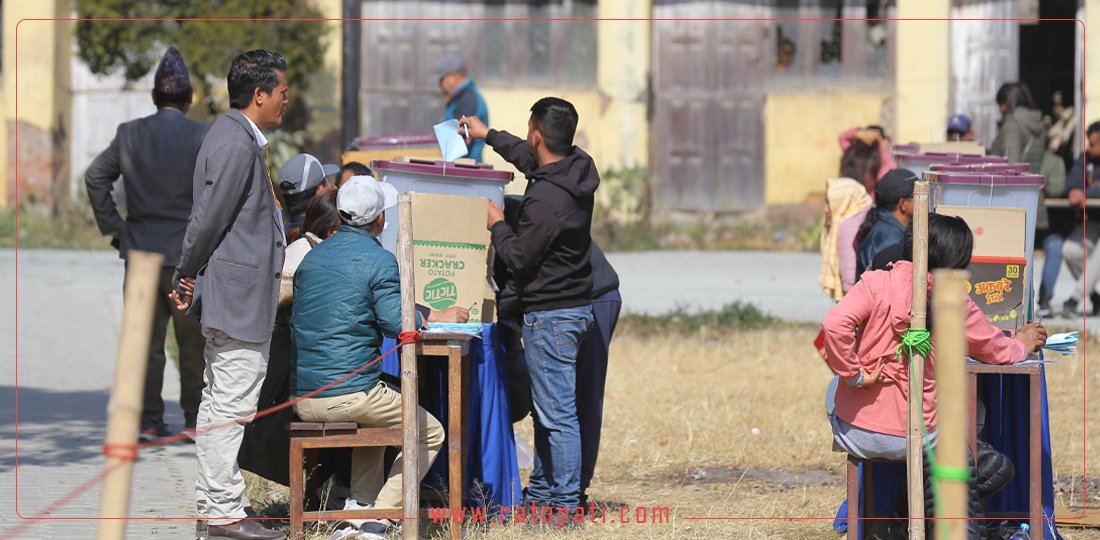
{"points": [[999, 266], [451, 254]]}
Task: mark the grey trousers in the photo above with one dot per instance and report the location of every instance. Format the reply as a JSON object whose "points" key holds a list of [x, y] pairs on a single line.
{"points": [[235, 372], [1077, 256]]}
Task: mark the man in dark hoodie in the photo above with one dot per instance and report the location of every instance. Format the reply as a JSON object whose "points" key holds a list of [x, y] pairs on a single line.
{"points": [[591, 357], [548, 253], [885, 224]]}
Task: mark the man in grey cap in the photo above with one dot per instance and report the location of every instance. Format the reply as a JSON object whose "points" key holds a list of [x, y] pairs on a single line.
{"points": [[463, 97], [155, 156], [300, 178]]}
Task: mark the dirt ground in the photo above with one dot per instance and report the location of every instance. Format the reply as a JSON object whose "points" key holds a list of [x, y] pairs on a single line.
{"points": [[726, 429]]}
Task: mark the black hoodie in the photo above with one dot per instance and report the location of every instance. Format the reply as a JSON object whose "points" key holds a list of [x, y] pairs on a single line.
{"points": [[604, 277], [548, 251]]}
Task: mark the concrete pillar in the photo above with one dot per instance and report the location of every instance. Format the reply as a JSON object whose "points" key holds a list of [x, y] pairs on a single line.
{"points": [[624, 66], [922, 72]]}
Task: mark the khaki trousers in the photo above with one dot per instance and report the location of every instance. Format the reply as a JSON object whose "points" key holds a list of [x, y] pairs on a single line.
{"points": [[379, 407]]}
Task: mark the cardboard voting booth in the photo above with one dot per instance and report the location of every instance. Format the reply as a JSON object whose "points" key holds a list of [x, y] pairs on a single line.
{"points": [[999, 266], [997, 193], [451, 250]]}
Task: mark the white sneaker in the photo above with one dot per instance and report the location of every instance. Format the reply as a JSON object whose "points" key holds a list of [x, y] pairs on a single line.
{"points": [[352, 504]]}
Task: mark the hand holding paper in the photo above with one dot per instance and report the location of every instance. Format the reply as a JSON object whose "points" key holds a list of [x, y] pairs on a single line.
{"points": [[451, 146], [477, 129]]}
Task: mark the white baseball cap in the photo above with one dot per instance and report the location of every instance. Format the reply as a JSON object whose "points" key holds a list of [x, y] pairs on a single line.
{"points": [[362, 199]]}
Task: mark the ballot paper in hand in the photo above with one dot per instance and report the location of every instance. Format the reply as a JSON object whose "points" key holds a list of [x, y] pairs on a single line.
{"points": [[451, 145], [1065, 344]]}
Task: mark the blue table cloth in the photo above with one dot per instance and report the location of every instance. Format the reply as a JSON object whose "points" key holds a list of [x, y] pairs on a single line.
{"points": [[490, 444], [1007, 399]]}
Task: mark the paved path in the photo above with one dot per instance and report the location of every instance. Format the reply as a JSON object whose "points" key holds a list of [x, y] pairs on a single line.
{"points": [[783, 284], [70, 308], [70, 311]]}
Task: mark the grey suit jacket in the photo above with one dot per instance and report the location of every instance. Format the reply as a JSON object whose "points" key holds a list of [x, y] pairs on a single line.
{"points": [[155, 156], [234, 242]]}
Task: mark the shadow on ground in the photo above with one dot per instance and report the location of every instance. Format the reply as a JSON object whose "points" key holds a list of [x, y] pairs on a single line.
{"points": [[54, 426]]}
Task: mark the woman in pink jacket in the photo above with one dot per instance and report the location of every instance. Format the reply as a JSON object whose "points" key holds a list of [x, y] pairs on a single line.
{"points": [[863, 331], [875, 137]]}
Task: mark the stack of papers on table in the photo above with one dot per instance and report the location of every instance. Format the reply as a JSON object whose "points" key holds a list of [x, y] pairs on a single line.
{"points": [[471, 329]]}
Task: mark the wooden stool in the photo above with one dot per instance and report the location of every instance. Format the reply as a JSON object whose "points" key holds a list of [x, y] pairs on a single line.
{"points": [[305, 439], [854, 498]]}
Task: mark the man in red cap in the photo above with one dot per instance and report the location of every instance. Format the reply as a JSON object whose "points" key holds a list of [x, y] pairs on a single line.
{"points": [[155, 156]]}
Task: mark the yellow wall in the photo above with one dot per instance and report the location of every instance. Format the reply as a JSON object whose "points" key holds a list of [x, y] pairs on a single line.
{"points": [[800, 139], [509, 109], [44, 71], [622, 132], [613, 126], [923, 72], [323, 95]]}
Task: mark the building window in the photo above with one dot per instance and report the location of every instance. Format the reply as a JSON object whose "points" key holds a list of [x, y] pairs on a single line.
{"points": [[526, 52], [850, 46]]}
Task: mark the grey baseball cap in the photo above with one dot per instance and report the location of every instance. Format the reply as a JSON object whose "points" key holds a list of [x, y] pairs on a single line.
{"points": [[448, 63], [302, 173]]}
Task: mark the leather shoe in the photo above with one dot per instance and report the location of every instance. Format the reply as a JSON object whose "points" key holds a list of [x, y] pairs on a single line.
{"points": [[245, 529]]}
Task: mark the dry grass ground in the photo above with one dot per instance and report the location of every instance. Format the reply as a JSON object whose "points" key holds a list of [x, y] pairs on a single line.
{"points": [[730, 424]]}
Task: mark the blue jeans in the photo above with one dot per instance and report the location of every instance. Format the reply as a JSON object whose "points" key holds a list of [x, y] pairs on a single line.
{"points": [[551, 340], [1052, 263]]}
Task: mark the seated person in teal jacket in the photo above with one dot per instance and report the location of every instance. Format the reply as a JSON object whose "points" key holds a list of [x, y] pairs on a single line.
{"points": [[347, 296]]}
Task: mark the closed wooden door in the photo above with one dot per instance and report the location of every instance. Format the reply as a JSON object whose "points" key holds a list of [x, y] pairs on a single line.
{"points": [[707, 129]]}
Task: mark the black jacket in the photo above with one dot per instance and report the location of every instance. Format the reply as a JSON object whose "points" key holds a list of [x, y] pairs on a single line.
{"points": [[548, 250], [604, 280], [1076, 180]]}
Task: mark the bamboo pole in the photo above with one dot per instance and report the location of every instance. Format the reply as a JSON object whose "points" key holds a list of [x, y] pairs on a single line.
{"points": [[915, 460], [948, 301], [410, 446], [124, 407]]}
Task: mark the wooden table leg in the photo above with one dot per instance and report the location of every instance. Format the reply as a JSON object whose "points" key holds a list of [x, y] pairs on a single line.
{"points": [[454, 435], [1035, 492], [854, 496], [465, 384], [297, 502], [972, 404]]}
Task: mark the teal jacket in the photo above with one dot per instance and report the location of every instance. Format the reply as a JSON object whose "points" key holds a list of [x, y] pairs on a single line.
{"points": [[347, 296]]}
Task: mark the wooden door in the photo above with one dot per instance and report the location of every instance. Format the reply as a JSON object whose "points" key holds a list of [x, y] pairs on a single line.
{"points": [[397, 58], [707, 129], [984, 55]]}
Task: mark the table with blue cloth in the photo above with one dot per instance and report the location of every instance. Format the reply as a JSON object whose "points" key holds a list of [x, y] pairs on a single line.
{"points": [[490, 449], [1006, 399]]}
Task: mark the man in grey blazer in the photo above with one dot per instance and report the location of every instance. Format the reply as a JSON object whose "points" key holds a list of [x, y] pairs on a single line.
{"points": [[155, 156], [228, 276]]}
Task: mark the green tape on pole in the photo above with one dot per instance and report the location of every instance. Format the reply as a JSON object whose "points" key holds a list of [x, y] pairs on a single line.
{"points": [[957, 474]]}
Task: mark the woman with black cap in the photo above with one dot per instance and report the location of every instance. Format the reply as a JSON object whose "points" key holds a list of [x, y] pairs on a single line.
{"points": [[885, 224]]}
